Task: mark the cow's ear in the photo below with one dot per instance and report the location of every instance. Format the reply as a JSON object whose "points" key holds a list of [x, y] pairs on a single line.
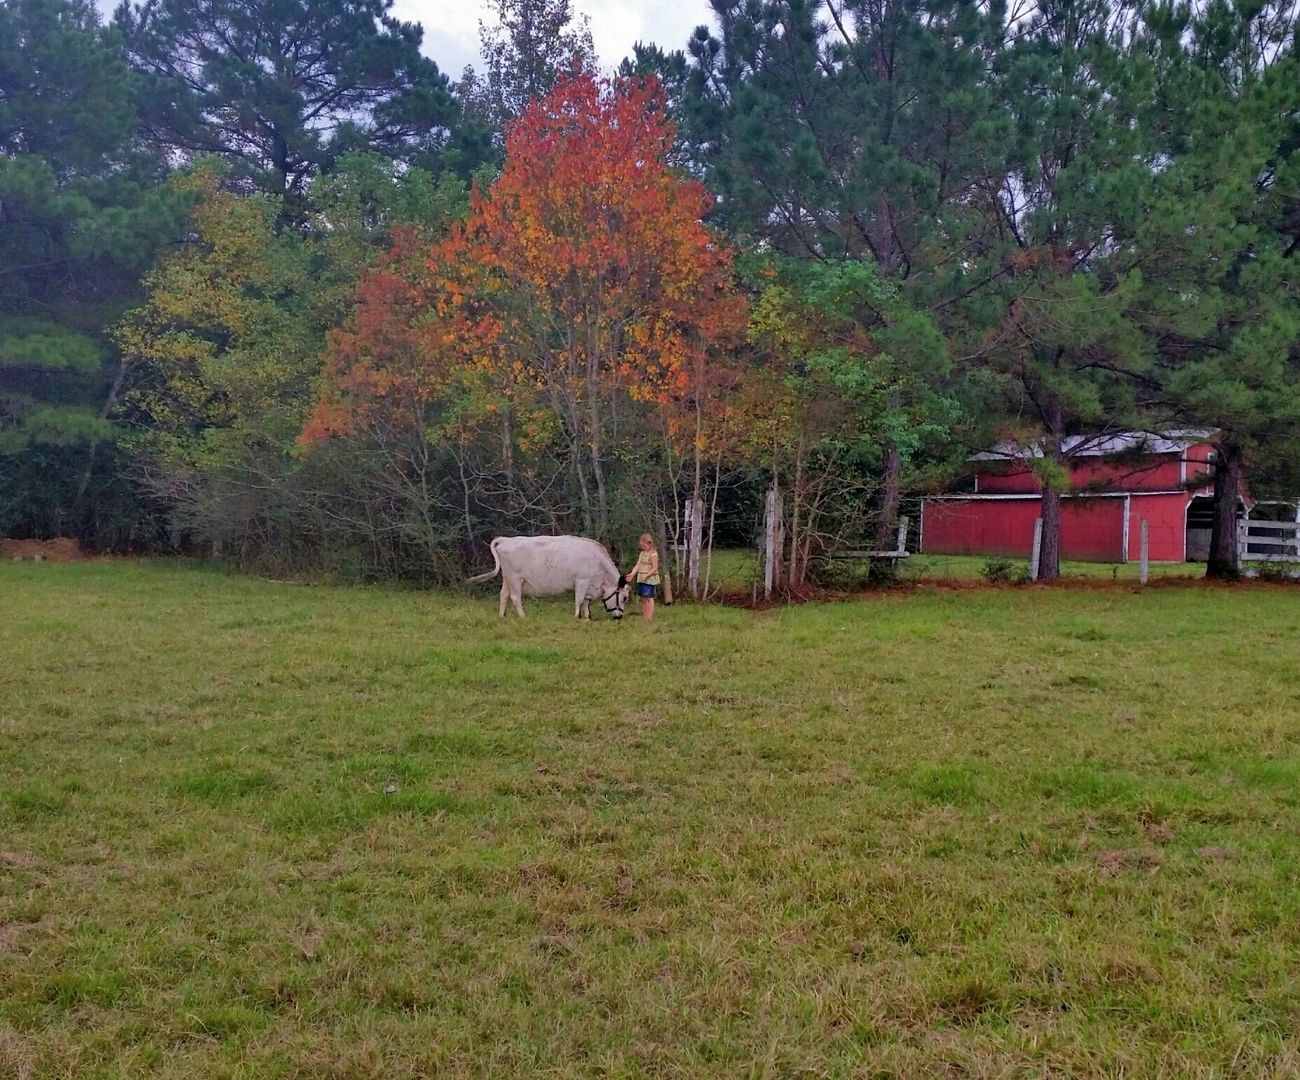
{"points": [[622, 580]]}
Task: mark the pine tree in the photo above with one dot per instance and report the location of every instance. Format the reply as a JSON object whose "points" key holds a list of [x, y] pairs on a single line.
{"points": [[280, 88], [80, 216], [1227, 106], [859, 130], [1056, 329]]}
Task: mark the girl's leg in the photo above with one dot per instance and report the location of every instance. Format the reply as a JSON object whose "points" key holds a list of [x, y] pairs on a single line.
{"points": [[648, 608]]}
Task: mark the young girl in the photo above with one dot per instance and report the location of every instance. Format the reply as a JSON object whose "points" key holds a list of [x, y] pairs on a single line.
{"points": [[646, 575]]}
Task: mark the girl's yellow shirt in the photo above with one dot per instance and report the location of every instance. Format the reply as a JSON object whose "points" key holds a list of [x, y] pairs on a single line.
{"points": [[647, 568]]}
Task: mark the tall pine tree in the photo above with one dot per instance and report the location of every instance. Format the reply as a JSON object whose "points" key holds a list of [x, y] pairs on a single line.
{"points": [[854, 130], [1228, 116], [280, 88], [81, 214]]}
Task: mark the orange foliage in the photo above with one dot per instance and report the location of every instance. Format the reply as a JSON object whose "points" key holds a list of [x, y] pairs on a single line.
{"points": [[382, 356], [585, 270]]}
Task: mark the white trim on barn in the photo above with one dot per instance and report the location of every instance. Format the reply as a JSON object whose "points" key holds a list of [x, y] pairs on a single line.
{"points": [[1178, 441], [1064, 495], [1128, 515]]}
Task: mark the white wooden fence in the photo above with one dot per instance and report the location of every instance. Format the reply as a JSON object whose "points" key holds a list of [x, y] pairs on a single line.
{"points": [[1268, 541]]}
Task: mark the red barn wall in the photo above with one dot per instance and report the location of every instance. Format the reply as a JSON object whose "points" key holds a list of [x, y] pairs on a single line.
{"points": [[1006, 478], [1092, 528], [1166, 526], [997, 527], [1200, 462], [1157, 473]]}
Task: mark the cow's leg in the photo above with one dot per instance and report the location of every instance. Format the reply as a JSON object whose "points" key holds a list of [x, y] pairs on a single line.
{"points": [[505, 598], [581, 609], [517, 595]]}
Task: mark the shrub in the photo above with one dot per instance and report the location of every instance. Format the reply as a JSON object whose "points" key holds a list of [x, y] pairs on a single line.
{"points": [[1004, 572]]}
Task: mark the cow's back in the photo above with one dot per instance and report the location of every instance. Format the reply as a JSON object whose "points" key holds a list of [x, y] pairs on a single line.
{"points": [[547, 565]]}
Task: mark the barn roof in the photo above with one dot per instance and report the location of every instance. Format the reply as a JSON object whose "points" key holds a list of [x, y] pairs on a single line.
{"points": [[1176, 441]]}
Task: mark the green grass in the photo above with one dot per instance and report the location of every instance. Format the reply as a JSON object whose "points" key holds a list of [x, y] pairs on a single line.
{"points": [[960, 567], [259, 830], [736, 571]]}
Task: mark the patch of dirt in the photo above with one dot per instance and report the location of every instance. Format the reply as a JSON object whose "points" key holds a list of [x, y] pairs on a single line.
{"points": [[15, 860], [1216, 854], [624, 889], [752, 601], [10, 932], [17, 1055], [1115, 861], [59, 550], [1157, 832], [308, 942]]}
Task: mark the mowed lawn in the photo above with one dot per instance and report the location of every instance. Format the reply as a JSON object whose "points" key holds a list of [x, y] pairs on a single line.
{"points": [[253, 830]]}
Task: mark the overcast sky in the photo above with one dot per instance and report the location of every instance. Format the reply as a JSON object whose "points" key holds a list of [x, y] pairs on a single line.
{"points": [[451, 26], [451, 29]]}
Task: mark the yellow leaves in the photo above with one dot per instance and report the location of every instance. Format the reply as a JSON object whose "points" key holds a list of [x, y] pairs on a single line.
{"points": [[225, 334], [781, 321]]}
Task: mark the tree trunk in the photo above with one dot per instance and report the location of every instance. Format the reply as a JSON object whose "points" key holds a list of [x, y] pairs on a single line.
{"points": [[78, 502], [890, 495], [795, 574], [602, 496], [465, 498], [588, 522], [666, 579], [674, 566], [696, 531], [713, 519], [1049, 553], [596, 449], [1224, 563], [508, 452]]}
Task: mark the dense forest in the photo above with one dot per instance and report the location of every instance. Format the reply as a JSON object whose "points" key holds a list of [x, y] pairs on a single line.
{"points": [[276, 289]]}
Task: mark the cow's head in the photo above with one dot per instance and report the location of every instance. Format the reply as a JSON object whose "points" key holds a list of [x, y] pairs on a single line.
{"points": [[616, 601]]}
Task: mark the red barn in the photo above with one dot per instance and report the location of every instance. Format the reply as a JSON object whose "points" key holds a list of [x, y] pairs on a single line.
{"points": [[1116, 481]]}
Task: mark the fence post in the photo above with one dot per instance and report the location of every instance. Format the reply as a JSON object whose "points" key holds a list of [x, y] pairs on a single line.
{"points": [[1038, 549], [1142, 553], [901, 546], [770, 530]]}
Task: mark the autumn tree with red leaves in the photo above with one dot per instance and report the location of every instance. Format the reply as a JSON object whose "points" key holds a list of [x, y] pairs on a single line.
{"points": [[584, 281]]}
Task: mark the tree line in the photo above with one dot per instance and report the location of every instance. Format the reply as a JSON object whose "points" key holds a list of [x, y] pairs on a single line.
{"points": [[273, 287]]}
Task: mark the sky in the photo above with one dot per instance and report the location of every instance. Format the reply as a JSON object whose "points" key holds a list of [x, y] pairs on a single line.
{"points": [[451, 28]]}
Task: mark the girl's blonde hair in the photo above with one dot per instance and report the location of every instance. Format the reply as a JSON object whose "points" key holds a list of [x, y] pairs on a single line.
{"points": [[646, 537]]}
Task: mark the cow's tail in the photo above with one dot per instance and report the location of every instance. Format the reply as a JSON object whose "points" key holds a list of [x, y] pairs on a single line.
{"points": [[496, 567]]}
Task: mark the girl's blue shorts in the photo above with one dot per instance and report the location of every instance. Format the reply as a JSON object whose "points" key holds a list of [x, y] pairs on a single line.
{"points": [[648, 591]]}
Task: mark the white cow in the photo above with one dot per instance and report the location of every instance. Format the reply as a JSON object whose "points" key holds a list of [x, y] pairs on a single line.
{"points": [[550, 565]]}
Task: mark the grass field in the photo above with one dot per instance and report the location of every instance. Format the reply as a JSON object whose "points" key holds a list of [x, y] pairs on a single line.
{"points": [[256, 830], [737, 571]]}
